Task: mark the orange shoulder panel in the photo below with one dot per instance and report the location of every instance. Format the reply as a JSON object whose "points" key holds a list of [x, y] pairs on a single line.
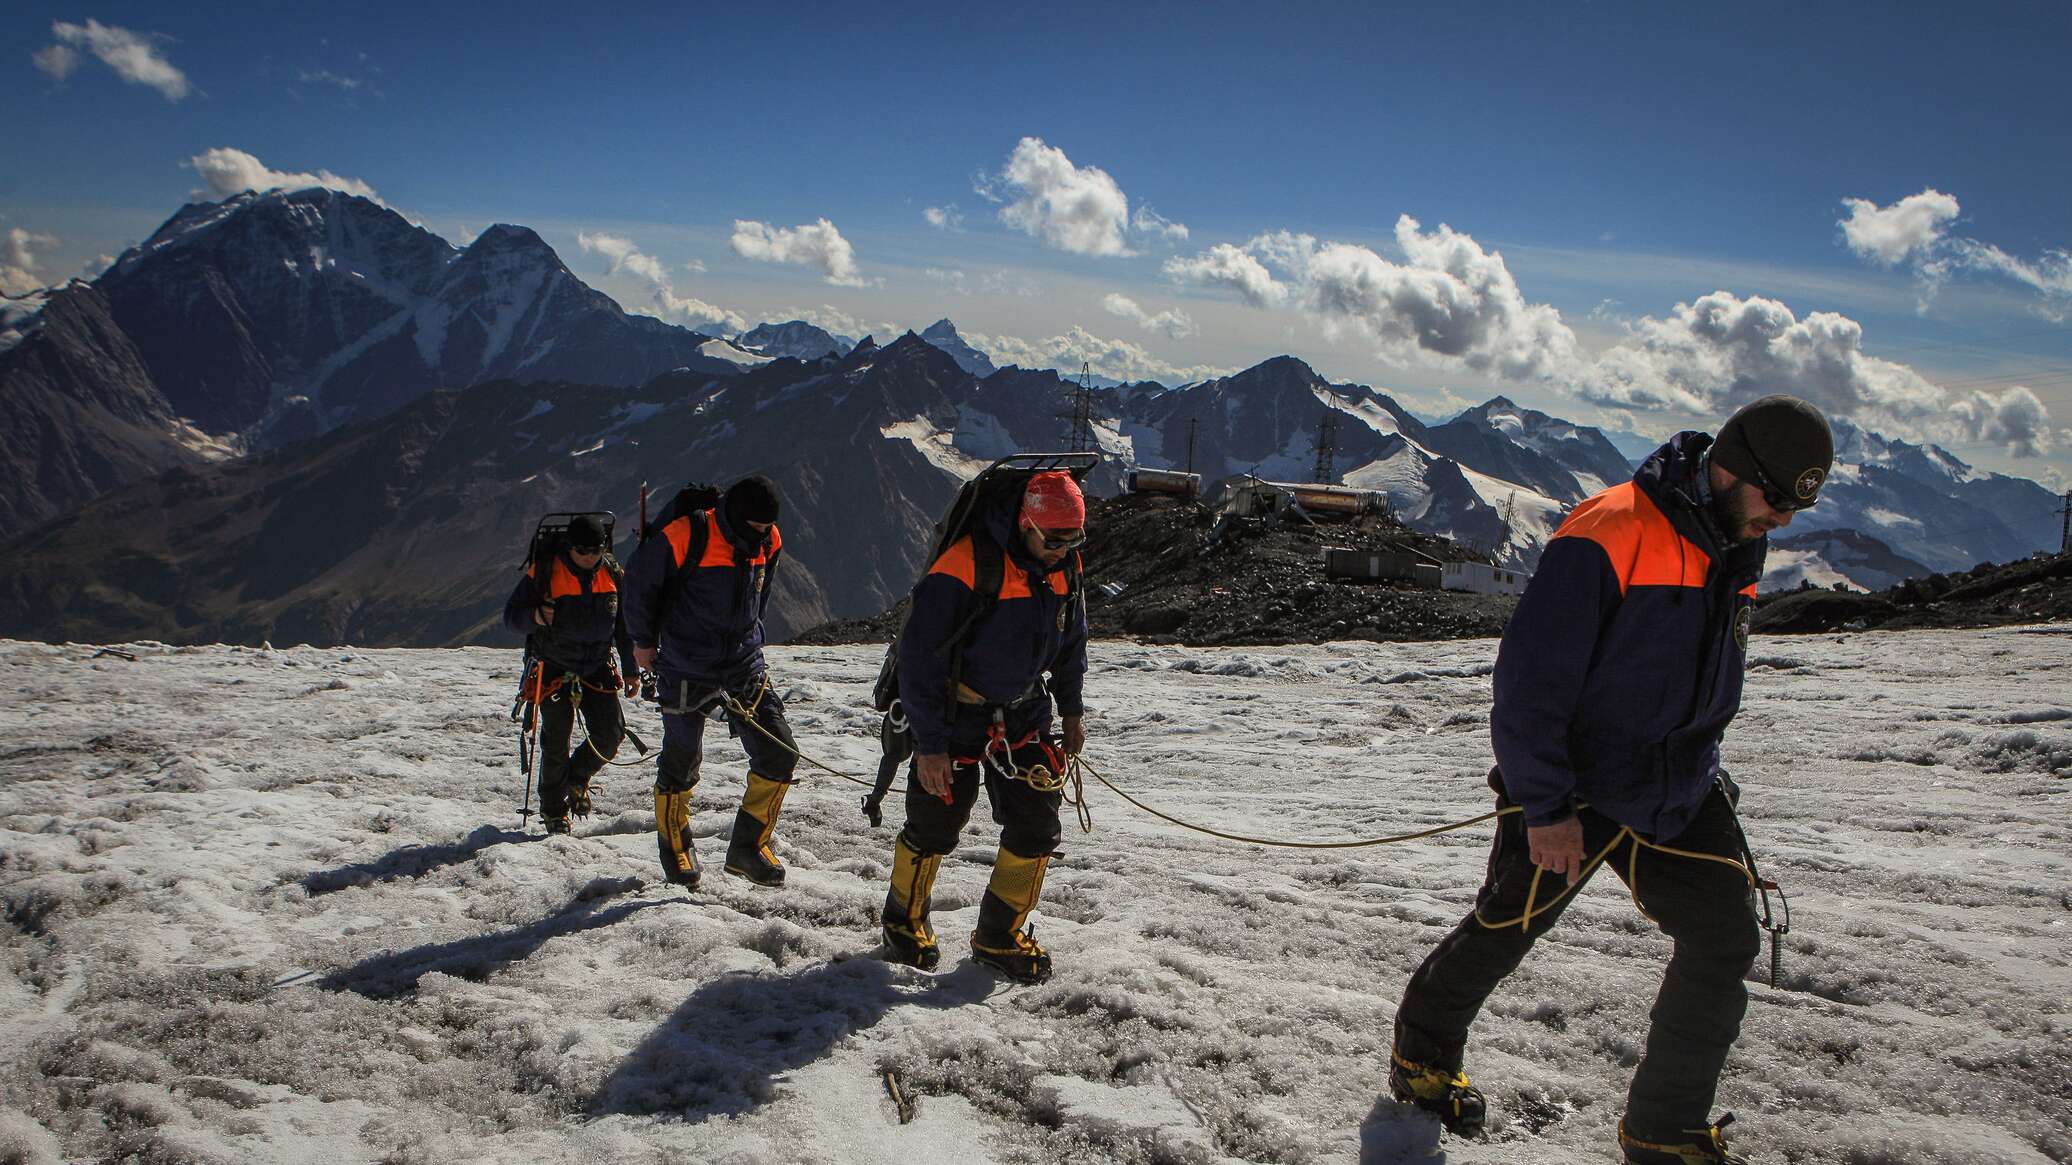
{"points": [[718, 551], [1644, 548], [602, 582], [1014, 582], [958, 563], [776, 539], [679, 534]]}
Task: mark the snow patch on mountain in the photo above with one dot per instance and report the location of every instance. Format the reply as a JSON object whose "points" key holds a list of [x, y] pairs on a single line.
{"points": [[939, 447], [733, 353]]}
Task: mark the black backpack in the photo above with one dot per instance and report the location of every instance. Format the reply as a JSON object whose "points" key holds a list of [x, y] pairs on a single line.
{"points": [[694, 498], [1006, 477]]}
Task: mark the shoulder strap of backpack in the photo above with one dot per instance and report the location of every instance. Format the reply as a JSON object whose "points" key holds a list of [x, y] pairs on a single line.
{"points": [[988, 572]]}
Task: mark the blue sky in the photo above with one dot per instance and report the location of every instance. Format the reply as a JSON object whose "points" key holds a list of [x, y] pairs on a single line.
{"points": [[1644, 204]]}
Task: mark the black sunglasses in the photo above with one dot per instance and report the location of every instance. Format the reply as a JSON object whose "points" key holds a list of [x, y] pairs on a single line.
{"points": [[1072, 541], [586, 550], [1773, 497]]}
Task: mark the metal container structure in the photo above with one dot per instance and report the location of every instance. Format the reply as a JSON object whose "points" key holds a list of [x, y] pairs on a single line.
{"points": [[1337, 499], [1165, 481], [1380, 566], [1482, 578]]}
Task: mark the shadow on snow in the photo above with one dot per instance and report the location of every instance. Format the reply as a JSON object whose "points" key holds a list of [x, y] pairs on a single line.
{"points": [[729, 1046], [409, 862], [476, 958]]}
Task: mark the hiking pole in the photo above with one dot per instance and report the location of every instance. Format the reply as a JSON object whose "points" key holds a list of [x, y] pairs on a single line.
{"points": [[526, 733]]}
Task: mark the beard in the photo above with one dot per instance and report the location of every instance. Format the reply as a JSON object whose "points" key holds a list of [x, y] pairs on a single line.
{"points": [[1735, 511]]}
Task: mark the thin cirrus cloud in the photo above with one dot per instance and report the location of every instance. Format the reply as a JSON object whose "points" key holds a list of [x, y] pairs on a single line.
{"points": [[1173, 322], [1915, 232], [816, 244], [1450, 301], [623, 256], [1113, 358], [226, 171], [1080, 209], [133, 56]]}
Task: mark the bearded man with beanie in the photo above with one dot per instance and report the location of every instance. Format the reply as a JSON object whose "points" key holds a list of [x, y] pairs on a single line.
{"points": [[1616, 678], [985, 718], [695, 598]]}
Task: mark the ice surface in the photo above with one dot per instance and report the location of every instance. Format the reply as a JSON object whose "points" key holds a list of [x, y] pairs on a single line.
{"points": [[273, 905]]}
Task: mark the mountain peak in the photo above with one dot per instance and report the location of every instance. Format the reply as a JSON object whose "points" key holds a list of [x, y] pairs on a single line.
{"points": [[943, 334], [504, 236]]}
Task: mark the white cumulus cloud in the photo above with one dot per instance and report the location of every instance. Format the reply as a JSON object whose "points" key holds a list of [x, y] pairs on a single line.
{"points": [[1226, 266], [1915, 231], [228, 171], [693, 313], [1449, 300], [1720, 351], [1114, 359], [944, 218], [1149, 222], [1888, 234], [815, 244], [622, 255], [134, 56], [1176, 324], [18, 260], [1072, 208], [836, 322]]}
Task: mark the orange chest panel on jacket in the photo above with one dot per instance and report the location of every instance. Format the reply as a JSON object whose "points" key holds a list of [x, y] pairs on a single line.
{"points": [[718, 551], [960, 562], [564, 583]]}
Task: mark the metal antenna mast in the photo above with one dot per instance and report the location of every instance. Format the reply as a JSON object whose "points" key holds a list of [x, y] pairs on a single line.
{"points": [[1327, 446], [1082, 439]]}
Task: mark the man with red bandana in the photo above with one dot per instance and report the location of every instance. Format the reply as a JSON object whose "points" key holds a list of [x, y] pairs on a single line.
{"points": [[1616, 679], [982, 715]]}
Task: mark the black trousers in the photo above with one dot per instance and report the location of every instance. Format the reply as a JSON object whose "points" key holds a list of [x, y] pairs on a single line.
{"points": [[1028, 819], [557, 726], [1702, 905], [683, 734]]}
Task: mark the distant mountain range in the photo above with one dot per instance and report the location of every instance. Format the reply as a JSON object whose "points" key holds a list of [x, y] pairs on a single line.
{"points": [[298, 416]]}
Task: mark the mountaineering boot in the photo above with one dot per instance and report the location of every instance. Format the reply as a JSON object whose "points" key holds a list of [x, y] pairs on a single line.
{"points": [[673, 838], [1446, 1095], [1000, 942], [748, 851], [579, 799], [557, 823], [1706, 1146], [909, 938]]}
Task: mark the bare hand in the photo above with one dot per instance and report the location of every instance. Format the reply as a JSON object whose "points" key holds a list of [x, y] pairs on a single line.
{"points": [[1558, 848], [932, 769], [644, 658], [543, 615], [1075, 736]]}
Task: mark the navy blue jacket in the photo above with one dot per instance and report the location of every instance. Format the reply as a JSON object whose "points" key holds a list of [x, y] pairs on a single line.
{"points": [[1033, 629], [1622, 666], [706, 615], [586, 616]]}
